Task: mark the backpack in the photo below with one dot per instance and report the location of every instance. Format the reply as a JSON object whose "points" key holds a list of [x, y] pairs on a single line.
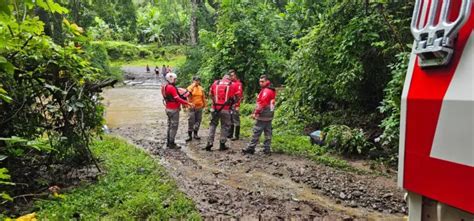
{"points": [[221, 96]]}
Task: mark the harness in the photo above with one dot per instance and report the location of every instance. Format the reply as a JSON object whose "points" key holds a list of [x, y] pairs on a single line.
{"points": [[168, 97], [227, 100]]}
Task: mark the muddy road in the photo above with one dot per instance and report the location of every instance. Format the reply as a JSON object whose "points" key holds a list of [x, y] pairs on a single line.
{"points": [[228, 185]]}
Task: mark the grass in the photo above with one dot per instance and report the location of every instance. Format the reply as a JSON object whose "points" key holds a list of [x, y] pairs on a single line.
{"points": [[135, 187], [287, 141], [173, 61]]}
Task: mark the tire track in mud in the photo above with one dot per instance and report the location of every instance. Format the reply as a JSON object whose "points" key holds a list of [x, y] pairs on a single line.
{"points": [[228, 185]]}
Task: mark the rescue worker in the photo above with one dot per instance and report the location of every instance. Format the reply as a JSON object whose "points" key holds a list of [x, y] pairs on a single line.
{"points": [[198, 99], [222, 94], [263, 115], [163, 71], [173, 102], [234, 132]]}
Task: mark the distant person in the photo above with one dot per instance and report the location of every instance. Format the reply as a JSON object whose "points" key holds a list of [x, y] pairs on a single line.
{"points": [[173, 102], [163, 71], [168, 69], [157, 70], [147, 69], [222, 94], [263, 115], [234, 132], [198, 99]]}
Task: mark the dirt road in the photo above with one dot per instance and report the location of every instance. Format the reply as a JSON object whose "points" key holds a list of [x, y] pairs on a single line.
{"points": [[231, 186]]}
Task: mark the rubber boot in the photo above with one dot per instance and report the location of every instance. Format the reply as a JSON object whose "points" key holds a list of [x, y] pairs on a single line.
{"points": [[248, 150], [174, 146], [190, 136], [196, 135], [222, 147], [267, 151], [208, 146], [237, 133], [231, 132]]}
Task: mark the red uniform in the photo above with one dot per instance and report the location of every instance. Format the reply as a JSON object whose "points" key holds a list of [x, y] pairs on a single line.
{"points": [[239, 92], [172, 98], [265, 104], [221, 92]]}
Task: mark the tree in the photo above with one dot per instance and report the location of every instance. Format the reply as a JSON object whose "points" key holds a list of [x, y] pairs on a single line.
{"points": [[193, 22]]}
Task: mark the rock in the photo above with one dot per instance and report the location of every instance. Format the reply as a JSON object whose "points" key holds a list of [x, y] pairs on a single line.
{"points": [[212, 200], [342, 195], [388, 195], [357, 193], [353, 204], [347, 218]]}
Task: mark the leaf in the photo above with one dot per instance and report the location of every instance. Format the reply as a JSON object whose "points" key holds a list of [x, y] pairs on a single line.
{"points": [[6, 196], [4, 174], [13, 139], [3, 157], [52, 87], [4, 9], [7, 66], [52, 6], [5, 98]]}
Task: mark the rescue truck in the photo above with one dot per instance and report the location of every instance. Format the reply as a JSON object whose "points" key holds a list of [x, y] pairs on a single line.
{"points": [[436, 152]]}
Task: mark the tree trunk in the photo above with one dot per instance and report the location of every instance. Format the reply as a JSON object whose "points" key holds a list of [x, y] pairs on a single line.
{"points": [[194, 23]]}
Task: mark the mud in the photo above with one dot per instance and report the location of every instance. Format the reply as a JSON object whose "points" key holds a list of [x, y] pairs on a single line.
{"points": [[228, 185]]}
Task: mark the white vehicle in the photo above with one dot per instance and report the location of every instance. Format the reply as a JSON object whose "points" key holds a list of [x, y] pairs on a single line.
{"points": [[436, 154]]}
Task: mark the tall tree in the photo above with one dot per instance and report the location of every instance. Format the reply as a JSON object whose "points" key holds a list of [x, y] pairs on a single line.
{"points": [[194, 23]]}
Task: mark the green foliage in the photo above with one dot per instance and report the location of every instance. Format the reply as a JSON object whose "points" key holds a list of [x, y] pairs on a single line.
{"points": [[98, 57], [4, 180], [345, 140], [135, 187], [340, 68], [49, 94], [241, 42], [119, 50], [246, 109], [390, 106], [127, 52], [106, 20], [102, 31], [333, 67], [300, 145], [166, 23]]}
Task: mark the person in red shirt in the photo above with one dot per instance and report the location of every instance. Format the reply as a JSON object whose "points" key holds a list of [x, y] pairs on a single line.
{"points": [[234, 133], [173, 101], [263, 115], [222, 94]]}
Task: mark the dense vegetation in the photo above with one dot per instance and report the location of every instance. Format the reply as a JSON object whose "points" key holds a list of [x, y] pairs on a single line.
{"points": [[339, 66]]}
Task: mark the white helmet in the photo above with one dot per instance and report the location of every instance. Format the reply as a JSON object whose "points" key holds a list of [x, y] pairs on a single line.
{"points": [[170, 77]]}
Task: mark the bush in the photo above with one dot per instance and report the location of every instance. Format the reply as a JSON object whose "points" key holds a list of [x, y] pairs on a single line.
{"points": [[118, 50], [246, 109], [345, 140], [49, 101], [390, 106], [98, 56]]}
